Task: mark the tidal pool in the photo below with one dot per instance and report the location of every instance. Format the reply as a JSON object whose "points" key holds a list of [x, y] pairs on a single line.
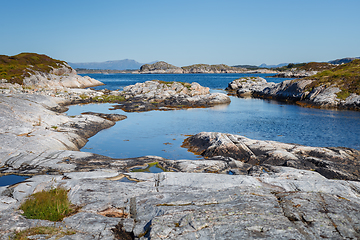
{"points": [[161, 133]]}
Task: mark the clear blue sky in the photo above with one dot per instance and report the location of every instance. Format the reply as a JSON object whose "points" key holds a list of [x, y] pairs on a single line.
{"points": [[183, 32]]}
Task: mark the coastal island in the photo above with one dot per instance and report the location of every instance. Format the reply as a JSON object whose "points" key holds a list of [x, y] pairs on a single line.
{"points": [[242, 188], [338, 87]]}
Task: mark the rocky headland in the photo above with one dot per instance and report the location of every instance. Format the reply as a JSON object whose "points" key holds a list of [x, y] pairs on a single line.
{"points": [[242, 189], [335, 88]]}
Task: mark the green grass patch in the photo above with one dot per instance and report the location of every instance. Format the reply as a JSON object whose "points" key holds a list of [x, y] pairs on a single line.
{"points": [[49, 231], [16, 68], [343, 94], [109, 99], [345, 76], [50, 205]]}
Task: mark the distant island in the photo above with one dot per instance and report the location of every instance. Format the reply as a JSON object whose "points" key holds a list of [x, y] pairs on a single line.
{"points": [[285, 70]]}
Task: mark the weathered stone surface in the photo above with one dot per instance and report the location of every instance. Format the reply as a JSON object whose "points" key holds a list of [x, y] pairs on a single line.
{"points": [[335, 163], [291, 205], [293, 90]]}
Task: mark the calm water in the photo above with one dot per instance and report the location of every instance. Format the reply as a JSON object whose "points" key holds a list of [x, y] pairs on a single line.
{"points": [[11, 179], [213, 81], [161, 133]]}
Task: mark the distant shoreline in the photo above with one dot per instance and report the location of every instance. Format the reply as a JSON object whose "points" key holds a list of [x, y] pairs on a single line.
{"points": [[108, 71]]}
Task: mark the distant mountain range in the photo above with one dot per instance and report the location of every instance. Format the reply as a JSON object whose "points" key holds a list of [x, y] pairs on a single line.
{"points": [[126, 64], [272, 66]]}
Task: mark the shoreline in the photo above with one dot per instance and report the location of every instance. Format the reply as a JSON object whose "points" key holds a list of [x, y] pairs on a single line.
{"points": [[48, 145]]}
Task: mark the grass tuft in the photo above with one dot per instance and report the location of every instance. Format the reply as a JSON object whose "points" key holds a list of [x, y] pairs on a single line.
{"points": [[49, 231], [50, 205]]}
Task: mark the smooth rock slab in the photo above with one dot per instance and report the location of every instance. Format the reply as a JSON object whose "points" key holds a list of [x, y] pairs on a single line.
{"points": [[202, 206], [336, 163]]}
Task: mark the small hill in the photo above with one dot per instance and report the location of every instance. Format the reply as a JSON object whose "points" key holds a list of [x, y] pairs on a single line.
{"points": [[345, 76], [158, 66], [15, 68], [343, 60]]}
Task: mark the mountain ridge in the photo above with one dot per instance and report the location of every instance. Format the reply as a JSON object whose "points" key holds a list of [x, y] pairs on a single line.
{"points": [[125, 64]]}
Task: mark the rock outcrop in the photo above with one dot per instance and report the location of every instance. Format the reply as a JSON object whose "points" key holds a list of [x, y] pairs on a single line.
{"points": [[326, 96]]}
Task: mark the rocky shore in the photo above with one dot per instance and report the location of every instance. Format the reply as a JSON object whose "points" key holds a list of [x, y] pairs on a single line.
{"points": [[241, 189], [298, 91]]}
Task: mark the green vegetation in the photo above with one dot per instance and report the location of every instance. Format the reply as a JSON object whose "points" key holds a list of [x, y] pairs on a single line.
{"points": [[187, 85], [311, 66], [147, 169], [109, 99], [49, 231], [15, 68], [50, 205], [346, 77]]}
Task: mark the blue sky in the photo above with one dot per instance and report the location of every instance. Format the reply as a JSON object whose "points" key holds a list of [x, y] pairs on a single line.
{"points": [[183, 32]]}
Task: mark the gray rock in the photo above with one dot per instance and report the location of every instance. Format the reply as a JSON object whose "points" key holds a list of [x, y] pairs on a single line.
{"points": [[60, 77], [156, 94]]}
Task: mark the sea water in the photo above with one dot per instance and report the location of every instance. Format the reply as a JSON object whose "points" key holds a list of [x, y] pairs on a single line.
{"points": [[161, 133]]}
